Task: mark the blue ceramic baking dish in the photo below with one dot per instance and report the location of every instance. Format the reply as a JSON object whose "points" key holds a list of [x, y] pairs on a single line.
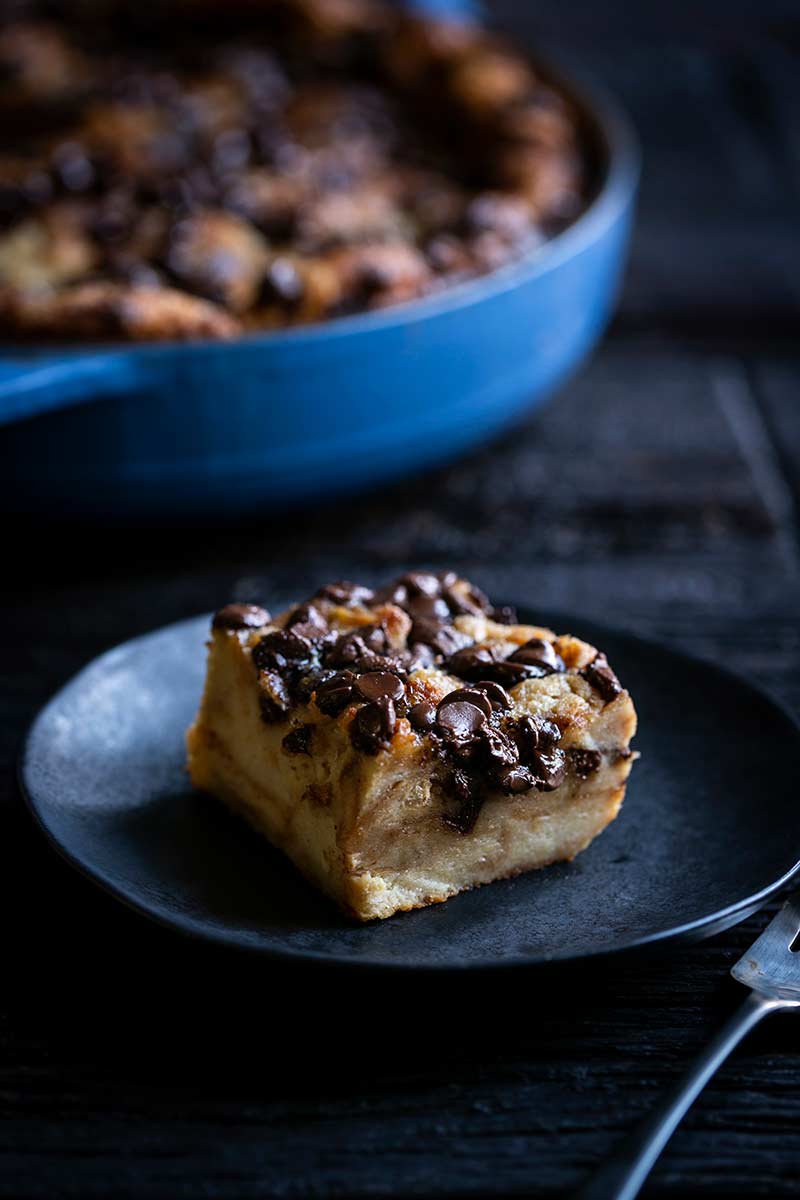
{"points": [[228, 428]]}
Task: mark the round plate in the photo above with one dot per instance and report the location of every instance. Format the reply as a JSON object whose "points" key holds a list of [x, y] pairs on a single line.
{"points": [[709, 829]]}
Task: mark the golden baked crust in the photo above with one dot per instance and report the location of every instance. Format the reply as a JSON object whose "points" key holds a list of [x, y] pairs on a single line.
{"points": [[403, 745], [113, 310], [311, 158]]}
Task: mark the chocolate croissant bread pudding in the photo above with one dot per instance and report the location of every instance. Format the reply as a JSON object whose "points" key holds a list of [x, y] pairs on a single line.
{"points": [[405, 744], [173, 171]]}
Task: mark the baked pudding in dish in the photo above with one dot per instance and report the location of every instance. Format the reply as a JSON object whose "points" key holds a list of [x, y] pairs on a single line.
{"points": [[404, 744], [164, 177]]}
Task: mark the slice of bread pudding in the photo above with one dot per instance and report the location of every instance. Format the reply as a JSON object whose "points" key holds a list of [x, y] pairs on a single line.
{"points": [[404, 744]]}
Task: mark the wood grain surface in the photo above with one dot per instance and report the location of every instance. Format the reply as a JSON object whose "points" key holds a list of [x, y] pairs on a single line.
{"points": [[660, 493]]}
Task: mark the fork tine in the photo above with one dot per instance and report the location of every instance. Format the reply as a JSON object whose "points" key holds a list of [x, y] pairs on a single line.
{"points": [[792, 909], [785, 925], [768, 966]]}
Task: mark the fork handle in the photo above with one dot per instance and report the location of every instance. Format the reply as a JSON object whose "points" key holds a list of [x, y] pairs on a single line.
{"points": [[623, 1174]]}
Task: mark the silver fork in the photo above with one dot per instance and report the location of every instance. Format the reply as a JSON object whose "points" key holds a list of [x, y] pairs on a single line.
{"points": [[771, 968]]}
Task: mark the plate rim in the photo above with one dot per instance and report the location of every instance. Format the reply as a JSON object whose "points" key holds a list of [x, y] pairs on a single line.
{"points": [[689, 931]]}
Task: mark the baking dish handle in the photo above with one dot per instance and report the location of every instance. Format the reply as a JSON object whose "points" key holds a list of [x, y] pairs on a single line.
{"points": [[34, 386]]}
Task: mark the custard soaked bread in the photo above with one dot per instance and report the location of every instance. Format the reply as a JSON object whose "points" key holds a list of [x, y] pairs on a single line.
{"points": [[404, 744]]}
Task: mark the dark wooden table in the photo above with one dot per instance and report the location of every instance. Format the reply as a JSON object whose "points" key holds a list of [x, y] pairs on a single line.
{"points": [[660, 491]]}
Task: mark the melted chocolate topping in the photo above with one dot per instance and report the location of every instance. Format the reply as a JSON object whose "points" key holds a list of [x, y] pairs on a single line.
{"points": [[240, 616], [477, 745], [379, 685]]}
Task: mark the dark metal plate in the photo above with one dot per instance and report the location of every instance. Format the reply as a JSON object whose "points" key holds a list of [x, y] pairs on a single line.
{"points": [[710, 827]]}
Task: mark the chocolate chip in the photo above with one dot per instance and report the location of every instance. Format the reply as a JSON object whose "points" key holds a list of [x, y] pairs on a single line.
{"points": [[274, 699], [240, 616], [375, 685], [427, 608], [349, 648], [549, 768], [375, 641], [373, 726], [420, 583], [504, 614], [460, 604], [288, 642], [419, 656], [304, 685], [499, 749], [509, 673], [470, 663], [447, 579], [498, 696], [443, 639], [549, 732], [298, 741], [393, 663], [466, 601], [585, 762], [308, 616], [311, 633], [538, 653], [474, 696], [409, 589], [533, 734], [280, 647], [334, 695], [346, 593], [478, 598], [395, 592], [601, 677], [346, 650], [459, 718], [462, 816], [422, 716], [514, 780]]}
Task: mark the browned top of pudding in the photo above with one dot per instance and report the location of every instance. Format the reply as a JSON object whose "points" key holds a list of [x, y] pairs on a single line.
{"points": [[427, 657], [165, 173]]}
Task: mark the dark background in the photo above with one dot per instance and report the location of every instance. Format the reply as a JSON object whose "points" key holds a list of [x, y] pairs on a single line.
{"points": [[659, 492]]}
